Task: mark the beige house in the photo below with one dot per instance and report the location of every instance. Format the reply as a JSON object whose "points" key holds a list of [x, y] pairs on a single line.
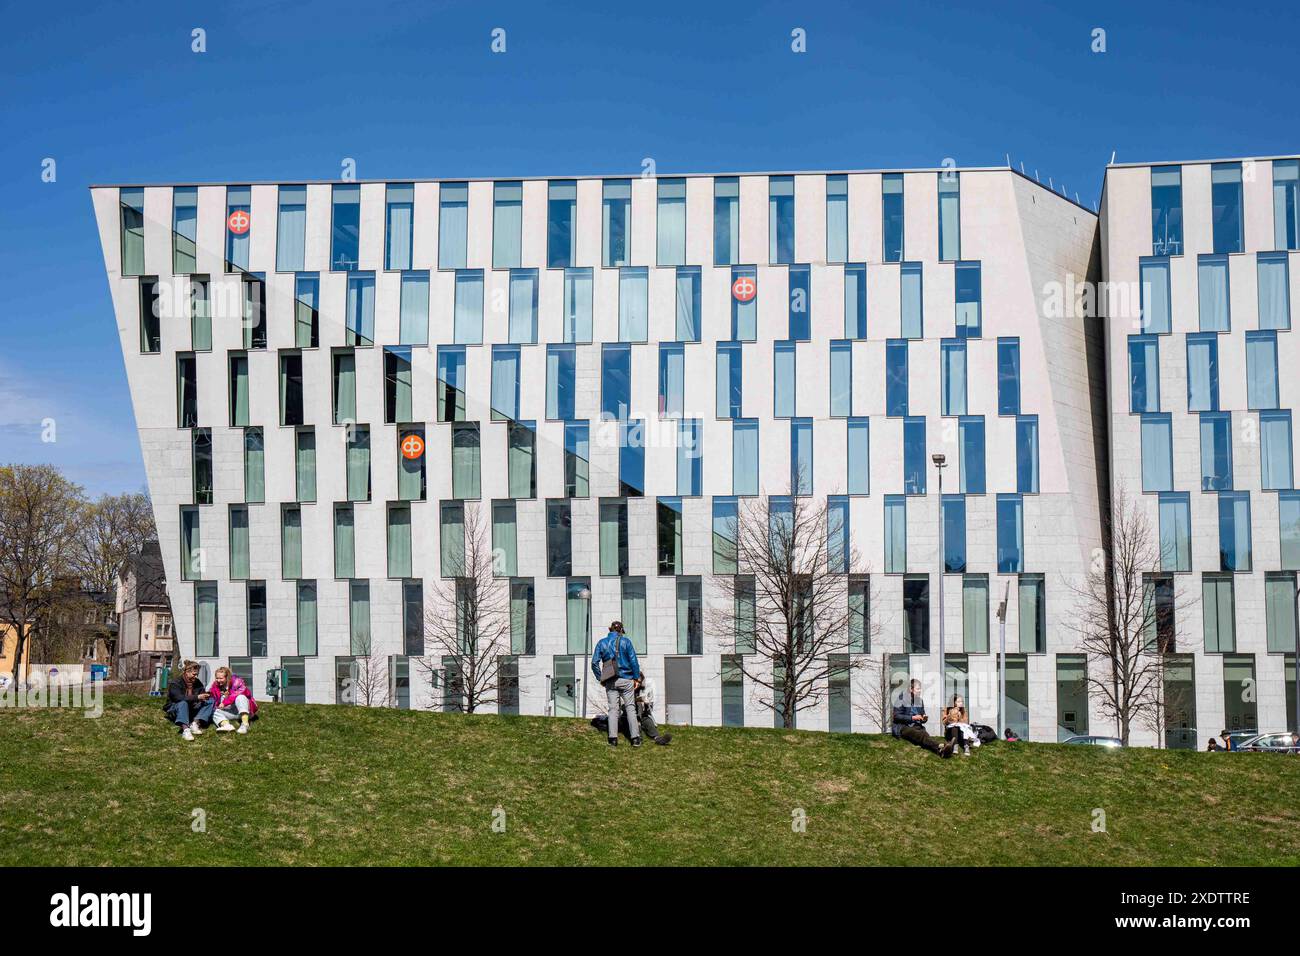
{"points": [[144, 616]]}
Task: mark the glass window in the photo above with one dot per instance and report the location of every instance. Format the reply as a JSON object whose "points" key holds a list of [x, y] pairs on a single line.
{"points": [[1225, 194], [410, 471], [613, 536], [1275, 455], [193, 564], [672, 379], [451, 384], [304, 464], [559, 538], [131, 203], [507, 224], [1011, 534], [916, 614], [841, 379], [1202, 373], [345, 229], [521, 459], [238, 542], [577, 615], [150, 317], [1218, 614], [344, 541], [912, 310], [290, 542], [729, 379], [672, 221], [1159, 602], [468, 311], [859, 456], [837, 218], [1261, 370], [838, 535], [1212, 292], [1027, 454], [254, 319], [668, 513], [465, 469], [859, 594], [254, 466], [891, 188], [633, 304], [414, 311], [577, 305], [896, 392], [783, 379], [631, 458], [399, 220], [523, 306], [185, 221], [800, 315], [950, 217], [359, 617], [895, 534], [801, 456], [453, 225], [1166, 210], [238, 202], [744, 315], [256, 598], [399, 540], [561, 381], [1032, 602], [615, 380], [975, 613], [1175, 532], [616, 213], [725, 527], [307, 310], [1157, 453], [1008, 376], [953, 365], [914, 459], [205, 619], [744, 457], [561, 221], [187, 391], [397, 384], [1279, 608], [1234, 531], [780, 219], [1155, 295], [201, 463], [358, 462], [970, 450], [688, 304], [451, 539], [201, 315], [1240, 710], [690, 458], [690, 616], [1288, 508], [238, 390], [1274, 290], [523, 617], [954, 534], [345, 387], [1286, 204], [726, 220], [577, 457], [968, 319], [360, 310], [505, 539], [855, 301], [505, 383]]}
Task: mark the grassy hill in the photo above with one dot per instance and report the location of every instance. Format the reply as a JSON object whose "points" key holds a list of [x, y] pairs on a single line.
{"points": [[329, 785]]}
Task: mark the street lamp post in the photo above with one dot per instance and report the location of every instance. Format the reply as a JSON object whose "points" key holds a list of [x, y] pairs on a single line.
{"points": [[939, 461], [1296, 729], [1002, 661]]}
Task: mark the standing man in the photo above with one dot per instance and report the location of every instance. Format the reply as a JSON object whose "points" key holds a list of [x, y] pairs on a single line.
{"points": [[615, 665], [909, 722]]}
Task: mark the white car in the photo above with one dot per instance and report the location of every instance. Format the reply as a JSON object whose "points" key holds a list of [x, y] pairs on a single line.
{"points": [[1094, 740]]}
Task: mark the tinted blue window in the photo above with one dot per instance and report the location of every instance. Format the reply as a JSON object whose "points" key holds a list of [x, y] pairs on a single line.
{"points": [[1234, 531], [1175, 532], [949, 215], [837, 218], [911, 303], [1273, 287], [780, 219], [616, 210], [1157, 453], [672, 379], [1275, 455], [895, 534], [1008, 376], [399, 224], [726, 220], [1225, 196], [561, 209], [1166, 210], [730, 364], [800, 304], [744, 457], [453, 225], [841, 379], [801, 456], [561, 381], [968, 321], [1143, 373], [1261, 370], [1011, 534], [1213, 298], [631, 458], [615, 380], [688, 304], [1154, 278], [971, 456], [690, 458], [952, 360], [859, 456], [838, 535], [891, 188], [896, 377], [783, 373], [1286, 204], [954, 534], [744, 315], [345, 231], [1027, 455], [1203, 373], [914, 456], [855, 301]]}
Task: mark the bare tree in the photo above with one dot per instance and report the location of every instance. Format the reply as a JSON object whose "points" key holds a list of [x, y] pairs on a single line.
{"points": [[467, 623], [877, 704], [40, 515], [1121, 627], [115, 530], [785, 611], [369, 679]]}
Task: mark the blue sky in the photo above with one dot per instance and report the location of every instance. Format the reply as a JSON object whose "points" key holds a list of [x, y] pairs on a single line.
{"points": [[411, 89]]}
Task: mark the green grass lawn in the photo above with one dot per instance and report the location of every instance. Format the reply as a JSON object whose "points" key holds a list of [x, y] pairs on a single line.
{"points": [[333, 785]]}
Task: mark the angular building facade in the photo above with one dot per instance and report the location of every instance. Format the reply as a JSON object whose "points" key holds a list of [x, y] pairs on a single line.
{"points": [[329, 377], [1202, 381]]}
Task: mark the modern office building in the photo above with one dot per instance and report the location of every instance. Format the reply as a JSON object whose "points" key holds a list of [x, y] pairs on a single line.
{"points": [[1202, 379], [328, 377]]}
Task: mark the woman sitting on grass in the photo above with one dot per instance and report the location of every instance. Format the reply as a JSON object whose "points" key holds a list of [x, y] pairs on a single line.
{"points": [[232, 699], [957, 728]]}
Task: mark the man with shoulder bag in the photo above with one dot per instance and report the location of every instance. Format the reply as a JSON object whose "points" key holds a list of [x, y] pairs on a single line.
{"points": [[615, 665]]}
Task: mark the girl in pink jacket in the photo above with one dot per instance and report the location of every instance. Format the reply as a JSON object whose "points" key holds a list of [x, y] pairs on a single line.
{"points": [[232, 699]]}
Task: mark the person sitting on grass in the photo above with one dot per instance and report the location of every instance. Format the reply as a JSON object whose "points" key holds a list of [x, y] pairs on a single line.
{"points": [[1010, 735], [645, 705], [1212, 746], [188, 707], [232, 699], [909, 722], [956, 726]]}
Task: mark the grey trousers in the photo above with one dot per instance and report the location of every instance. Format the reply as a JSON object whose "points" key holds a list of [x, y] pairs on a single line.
{"points": [[622, 687]]}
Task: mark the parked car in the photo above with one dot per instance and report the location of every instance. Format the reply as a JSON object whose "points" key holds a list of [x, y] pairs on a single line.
{"points": [[1095, 740], [1239, 737], [1283, 743]]}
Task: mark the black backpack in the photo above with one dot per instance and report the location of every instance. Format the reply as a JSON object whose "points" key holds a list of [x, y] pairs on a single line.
{"points": [[985, 733]]}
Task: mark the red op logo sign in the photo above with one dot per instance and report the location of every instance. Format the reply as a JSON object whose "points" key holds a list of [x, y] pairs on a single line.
{"points": [[744, 288], [412, 447], [238, 222]]}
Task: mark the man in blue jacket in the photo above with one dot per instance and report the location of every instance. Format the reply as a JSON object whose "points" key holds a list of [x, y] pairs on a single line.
{"points": [[620, 687], [909, 722]]}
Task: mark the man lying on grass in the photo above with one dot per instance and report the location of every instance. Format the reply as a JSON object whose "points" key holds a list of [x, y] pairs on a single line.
{"points": [[909, 722]]}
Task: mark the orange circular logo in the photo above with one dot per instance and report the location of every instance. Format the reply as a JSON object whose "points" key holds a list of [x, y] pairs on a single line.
{"points": [[744, 288], [239, 221], [412, 447]]}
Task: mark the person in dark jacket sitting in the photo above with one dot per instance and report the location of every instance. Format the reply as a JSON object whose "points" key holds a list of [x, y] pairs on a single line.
{"points": [[188, 705], [909, 722]]}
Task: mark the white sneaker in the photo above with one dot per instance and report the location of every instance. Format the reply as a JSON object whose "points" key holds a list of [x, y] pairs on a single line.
{"points": [[186, 734], [966, 752], [243, 729], [195, 729], [225, 727]]}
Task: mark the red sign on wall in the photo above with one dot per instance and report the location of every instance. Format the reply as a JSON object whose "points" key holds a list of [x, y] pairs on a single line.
{"points": [[744, 288], [238, 222], [412, 447]]}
